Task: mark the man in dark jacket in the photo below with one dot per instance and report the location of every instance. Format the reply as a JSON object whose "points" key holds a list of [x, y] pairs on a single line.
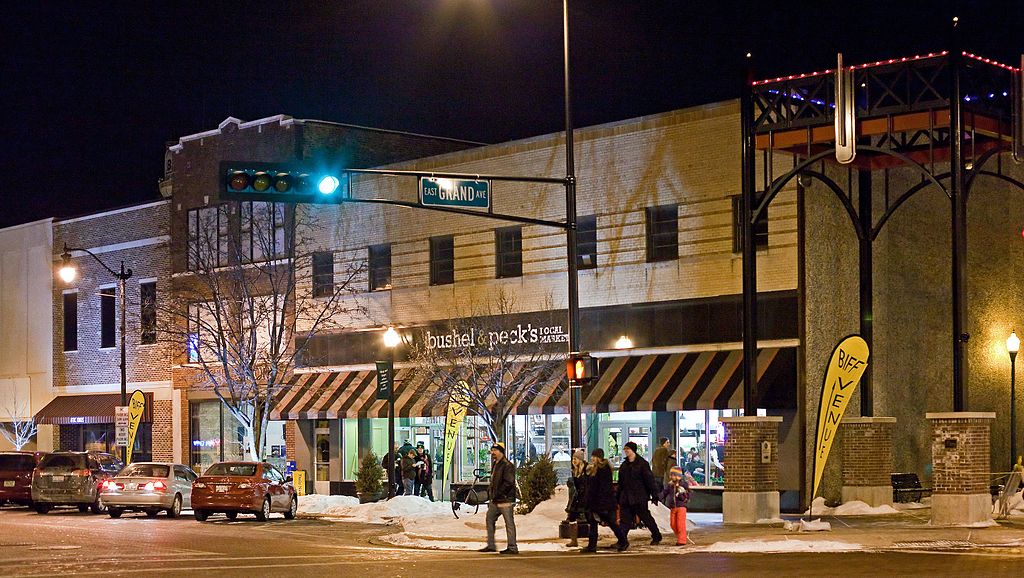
{"points": [[636, 487], [425, 475], [660, 463], [501, 496], [600, 501]]}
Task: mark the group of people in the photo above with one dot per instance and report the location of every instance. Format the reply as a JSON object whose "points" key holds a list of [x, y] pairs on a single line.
{"points": [[594, 498], [413, 470]]}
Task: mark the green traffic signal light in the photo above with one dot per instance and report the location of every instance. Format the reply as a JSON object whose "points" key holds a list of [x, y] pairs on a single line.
{"points": [[328, 184], [280, 183]]}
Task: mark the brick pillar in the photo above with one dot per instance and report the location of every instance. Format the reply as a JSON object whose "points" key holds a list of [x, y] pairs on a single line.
{"points": [[163, 431], [867, 459], [291, 428], [186, 429], [961, 442], [751, 475]]}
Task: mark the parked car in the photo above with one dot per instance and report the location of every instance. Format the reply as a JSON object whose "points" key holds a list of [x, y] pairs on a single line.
{"points": [[149, 487], [72, 479], [16, 476], [253, 487]]}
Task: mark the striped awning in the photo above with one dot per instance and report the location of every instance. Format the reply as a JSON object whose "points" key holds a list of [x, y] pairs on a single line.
{"points": [[663, 382], [85, 409]]}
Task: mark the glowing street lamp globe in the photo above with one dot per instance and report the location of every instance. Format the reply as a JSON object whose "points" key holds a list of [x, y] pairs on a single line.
{"points": [[67, 273], [1013, 343], [391, 338]]}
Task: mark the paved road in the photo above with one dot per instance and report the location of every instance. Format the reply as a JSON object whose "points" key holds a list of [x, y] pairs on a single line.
{"points": [[66, 542]]}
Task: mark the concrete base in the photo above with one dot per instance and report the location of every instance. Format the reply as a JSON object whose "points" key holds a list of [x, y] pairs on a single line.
{"points": [[873, 496], [961, 509], [749, 507]]}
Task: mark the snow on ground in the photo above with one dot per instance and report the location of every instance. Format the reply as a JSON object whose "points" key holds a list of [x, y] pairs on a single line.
{"points": [[1015, 505], [808, 526], [854, 508], [783, 546], [405, 540], [392, 511]]}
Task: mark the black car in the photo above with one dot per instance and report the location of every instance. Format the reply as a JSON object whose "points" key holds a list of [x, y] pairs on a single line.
{"points": [[72, 479]]}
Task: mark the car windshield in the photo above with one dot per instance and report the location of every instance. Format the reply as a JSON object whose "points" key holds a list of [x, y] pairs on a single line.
{"points": [[145, 471], [17, 462], [62, 461], [231, 470]]}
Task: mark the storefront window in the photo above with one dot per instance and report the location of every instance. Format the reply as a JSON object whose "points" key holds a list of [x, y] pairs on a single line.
{"points": [[350, 448], [216, 435], [277, 453], [101, 438]]}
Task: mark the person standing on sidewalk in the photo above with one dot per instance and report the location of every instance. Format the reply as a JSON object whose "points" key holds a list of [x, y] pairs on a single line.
{"points": [[501, 496], [425, 473], [675, 496], [600, 501], [409, 472], [636, 488], [660, 463]]}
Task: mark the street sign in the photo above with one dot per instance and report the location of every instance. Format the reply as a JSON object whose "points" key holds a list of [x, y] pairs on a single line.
{"points": [[465, 193], [121, 421], [385, 379]]}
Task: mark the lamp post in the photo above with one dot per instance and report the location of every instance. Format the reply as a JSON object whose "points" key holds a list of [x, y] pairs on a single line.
{"points": [[1012, 347], [68, 272], [391, 341]]}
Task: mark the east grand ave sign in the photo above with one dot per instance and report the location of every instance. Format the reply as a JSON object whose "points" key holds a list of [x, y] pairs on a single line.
{"points": [[438, 192]]}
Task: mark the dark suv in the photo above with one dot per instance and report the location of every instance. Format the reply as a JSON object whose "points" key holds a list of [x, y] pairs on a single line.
{"points": [[16, 476], [72, 479]]}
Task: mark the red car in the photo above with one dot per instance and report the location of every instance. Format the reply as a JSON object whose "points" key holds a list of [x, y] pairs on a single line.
{"points": [[16, 476], [253, 487]]}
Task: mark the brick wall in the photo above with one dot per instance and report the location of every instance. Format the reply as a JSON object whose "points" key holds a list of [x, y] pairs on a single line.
{"points": [[163, 431], [960, 453], [744, 470], [866, 451], [291, 430]]}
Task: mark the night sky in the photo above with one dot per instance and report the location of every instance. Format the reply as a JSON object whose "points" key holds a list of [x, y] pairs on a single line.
{"points": [[92, 91]]}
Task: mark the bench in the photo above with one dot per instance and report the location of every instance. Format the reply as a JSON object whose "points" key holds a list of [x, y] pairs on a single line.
{"points": [[906, 487]]}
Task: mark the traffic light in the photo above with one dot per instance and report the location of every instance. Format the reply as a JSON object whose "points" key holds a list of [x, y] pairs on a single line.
{"points": [[581, 367], [280, 183]]}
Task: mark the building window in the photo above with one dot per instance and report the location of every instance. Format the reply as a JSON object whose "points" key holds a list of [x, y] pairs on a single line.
{"points": [[261, 231], [207, 238], [508, 250], [147, 313], [760, 227], [323, 274], [662, 233], [71, 321], [108, 334], [442, 260], [586, 242], [380, 267]]}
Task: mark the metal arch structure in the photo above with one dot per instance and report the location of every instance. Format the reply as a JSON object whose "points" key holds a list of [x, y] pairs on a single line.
{"points": [[912, 112]]}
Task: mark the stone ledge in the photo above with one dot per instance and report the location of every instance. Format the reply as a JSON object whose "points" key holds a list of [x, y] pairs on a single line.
{"points": [[960, 415], [752, 419], [867, 420]]}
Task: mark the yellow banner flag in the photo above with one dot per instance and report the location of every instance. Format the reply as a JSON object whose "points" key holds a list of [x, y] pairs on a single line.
{"points": [[457, 409], [136, 407], [845, 368]]}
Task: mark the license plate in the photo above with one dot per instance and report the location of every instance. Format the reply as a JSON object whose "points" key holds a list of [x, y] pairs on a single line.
{"points": [[57, 479], [221, 488], [8, 483], [131, 486]]}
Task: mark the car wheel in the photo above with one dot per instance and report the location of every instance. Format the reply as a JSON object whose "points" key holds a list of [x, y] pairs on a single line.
{"points": [[264, 512], [231, 515], [175, 510], [98, 507], [42, 508], [292, 509], [83, 508], [201, 515], [115, 512]]}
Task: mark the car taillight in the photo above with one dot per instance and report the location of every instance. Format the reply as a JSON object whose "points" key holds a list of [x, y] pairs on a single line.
{"points": [[199, 485], [109, 485], [244, 486], [83, 473], [158, 486]]}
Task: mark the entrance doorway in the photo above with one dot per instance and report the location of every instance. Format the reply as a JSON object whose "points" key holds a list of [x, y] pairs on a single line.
{"points": [[322, 458]]}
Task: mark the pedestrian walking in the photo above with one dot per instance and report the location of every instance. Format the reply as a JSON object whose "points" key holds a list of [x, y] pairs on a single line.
{"points": [[660, 463], [600, 501], [636, 488], [425, 473], [409, 471], [675, 496], [576, 509], [391, 460], [501, 496]]}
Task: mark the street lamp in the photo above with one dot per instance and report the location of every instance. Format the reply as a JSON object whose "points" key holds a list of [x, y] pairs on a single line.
{"points": [[1012, 347], [391, 341], [68, 272], [624, 342]]}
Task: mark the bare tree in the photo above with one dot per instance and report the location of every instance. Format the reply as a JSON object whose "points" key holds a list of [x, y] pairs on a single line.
{"points": [[492, 367], [21, 424], [246, 311]]}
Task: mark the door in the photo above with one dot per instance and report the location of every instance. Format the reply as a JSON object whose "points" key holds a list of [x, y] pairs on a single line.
{"points": [[322, 458], [275, 487]]}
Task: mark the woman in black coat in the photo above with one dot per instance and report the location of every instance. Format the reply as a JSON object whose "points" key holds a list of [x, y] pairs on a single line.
{"points": [[600, 501]]}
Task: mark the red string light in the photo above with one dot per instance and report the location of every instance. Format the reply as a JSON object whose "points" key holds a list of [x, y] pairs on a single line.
{"points": [[885, 62]]}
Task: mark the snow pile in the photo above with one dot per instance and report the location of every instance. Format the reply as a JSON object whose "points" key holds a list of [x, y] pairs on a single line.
{"points": [[783, 546], [808, 526], [1014, 506], [391, 511], [854, 508], [435, 544], [903, 506]]}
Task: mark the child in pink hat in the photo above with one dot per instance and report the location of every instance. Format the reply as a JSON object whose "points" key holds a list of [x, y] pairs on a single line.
{"points": [[675, 496]]}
